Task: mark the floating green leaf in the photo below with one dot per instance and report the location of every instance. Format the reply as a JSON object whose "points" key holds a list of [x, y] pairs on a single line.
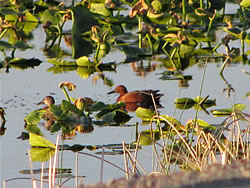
{"points": [[144, 113], [109, 108], [91, 147], [34, 117], [204, 124], [97, 106], [33, 128], [184, 106], [84, 62], [76, 147], [121, 117], [44, 170], [236, 108], [148, 137], [109, 118], [39, 141], [184, 101], [206, 102], [201, 123], [113, 117], [239, 107], [173, 121]]}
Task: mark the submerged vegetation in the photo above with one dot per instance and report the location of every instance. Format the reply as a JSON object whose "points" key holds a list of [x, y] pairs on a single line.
{"points": [[177, 34]]}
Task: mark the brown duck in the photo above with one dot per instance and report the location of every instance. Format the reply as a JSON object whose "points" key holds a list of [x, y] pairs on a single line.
{"points": [[48, 101], [139, 98]]}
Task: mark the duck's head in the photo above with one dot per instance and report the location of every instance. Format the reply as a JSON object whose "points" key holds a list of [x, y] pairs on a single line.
{"points": [[48, 100], [121, 89]]}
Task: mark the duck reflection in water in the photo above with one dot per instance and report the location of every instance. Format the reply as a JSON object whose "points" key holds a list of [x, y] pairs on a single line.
{"points": [[139, 98]]}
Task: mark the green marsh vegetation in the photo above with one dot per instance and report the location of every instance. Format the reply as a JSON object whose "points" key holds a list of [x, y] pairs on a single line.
{"points": [[177, 33]]}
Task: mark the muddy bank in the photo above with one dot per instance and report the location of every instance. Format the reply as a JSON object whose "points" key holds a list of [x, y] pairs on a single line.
{"points": [[234, 176]]}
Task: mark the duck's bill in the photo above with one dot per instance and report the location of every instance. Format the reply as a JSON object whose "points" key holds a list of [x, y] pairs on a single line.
{"points": [[42, 102], [111, 92]]}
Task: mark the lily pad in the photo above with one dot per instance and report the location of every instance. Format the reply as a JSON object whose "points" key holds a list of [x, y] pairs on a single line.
{"points": [[144, 113], [109, 108], [184, 100], [33, 128], [226, 112], [201, 123], [39, 141], [97, 106], [84, 62], [34, 117], [77, 147], [148, 137], [112, 115]]}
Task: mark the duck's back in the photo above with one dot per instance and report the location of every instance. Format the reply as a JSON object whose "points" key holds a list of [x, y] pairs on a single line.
{"points": [[143, 96]]}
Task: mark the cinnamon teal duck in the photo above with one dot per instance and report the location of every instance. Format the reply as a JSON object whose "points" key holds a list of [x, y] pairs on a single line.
{"points": [[48, 101], [138, 98]]}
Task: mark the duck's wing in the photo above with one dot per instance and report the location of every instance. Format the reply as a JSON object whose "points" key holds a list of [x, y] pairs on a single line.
{"points": [[150, 91]]}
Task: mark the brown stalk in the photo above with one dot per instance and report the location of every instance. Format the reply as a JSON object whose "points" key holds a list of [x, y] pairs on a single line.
{"points": [[154, 147], [191, 150], [131, 156], [83, 153], [125, 159], [12, 179], [240, 139], [163, 141]]}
